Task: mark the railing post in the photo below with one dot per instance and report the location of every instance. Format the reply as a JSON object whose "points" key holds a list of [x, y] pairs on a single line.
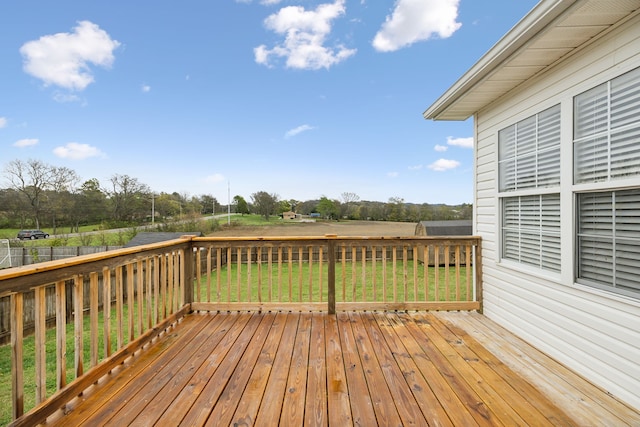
{"points": [[331, 274], [478, 266], [188, 271]]}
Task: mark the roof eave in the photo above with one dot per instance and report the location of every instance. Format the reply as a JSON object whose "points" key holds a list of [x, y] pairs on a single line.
{"points": [[537, 19]]}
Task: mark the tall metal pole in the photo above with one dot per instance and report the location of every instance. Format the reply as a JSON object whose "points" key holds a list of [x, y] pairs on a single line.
{"points": [[153, 209], [228, 203]]}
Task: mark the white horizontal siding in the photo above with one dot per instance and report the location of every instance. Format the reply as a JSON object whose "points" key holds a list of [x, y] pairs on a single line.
{"points": [[593, 332]]}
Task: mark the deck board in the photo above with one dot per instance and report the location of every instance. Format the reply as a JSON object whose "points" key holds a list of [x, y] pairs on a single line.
{"points": [[354, 368]]}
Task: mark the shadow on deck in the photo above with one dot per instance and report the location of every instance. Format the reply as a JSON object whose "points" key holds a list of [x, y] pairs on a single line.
{"points": [[352, 368]]}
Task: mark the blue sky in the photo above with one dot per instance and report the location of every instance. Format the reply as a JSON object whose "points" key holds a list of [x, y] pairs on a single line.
{"points": [[299, 98]]}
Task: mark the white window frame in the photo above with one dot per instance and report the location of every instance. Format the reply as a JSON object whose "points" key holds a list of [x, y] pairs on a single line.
{"points": [[529, 177], [606, 153]]}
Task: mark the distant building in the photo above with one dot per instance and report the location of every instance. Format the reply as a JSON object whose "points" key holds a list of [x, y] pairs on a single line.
{"points": [[289, 215], [443, 228]]}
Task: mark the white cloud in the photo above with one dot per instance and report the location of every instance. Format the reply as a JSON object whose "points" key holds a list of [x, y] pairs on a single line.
{"points": [[299, 129], [64, 97], [417, 20], [392, 174], [215, 178], [76, 151], [26, 142], [415, 168], [64, 59], [460, 142], [3, 122], [305, 33], [145, 88], [440, 148], [442, 165]]}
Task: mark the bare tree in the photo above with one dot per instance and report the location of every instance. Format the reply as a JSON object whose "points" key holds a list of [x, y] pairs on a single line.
{"points": [[32, 179], [348, 199], [128, 197]]}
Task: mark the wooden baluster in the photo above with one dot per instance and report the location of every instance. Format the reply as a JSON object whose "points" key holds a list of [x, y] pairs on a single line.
{"points": [[436, 266], [279, 273], [457, 262], [149, 283], [270, 271], [354, 270], [61, 335], [94, 301], [78, 317], [363, 266], [130, 302], [310, 262], [405, 273], [447, 251], [300, 254], [384, 273], [17, 353], [140, 296], [394, 257], [119, 307], [40, 343], [320, 271], [106, 310]]}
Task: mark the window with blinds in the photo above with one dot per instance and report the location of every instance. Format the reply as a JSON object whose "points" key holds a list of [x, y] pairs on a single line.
{"points": [[607, 149], [607, 130], [529, 159], [609, 240], [529, 152], [531, 230]]}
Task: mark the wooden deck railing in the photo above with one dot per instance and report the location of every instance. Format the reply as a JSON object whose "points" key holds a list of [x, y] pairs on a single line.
{"points": [[95, 311]]}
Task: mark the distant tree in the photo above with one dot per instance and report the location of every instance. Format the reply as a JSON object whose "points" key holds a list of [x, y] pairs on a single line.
{"points": [[395, 209], [329, 209], [32, 179], [14, 208], [209, 204], [241, 205], [167, 206], [129, 198], [293, 203], [284, 206], [264, 204], [61, 196], [306, 207], [348, 204], [91, 202]]}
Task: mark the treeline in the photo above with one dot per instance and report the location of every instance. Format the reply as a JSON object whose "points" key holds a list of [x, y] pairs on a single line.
{"points": [[39, 195]]}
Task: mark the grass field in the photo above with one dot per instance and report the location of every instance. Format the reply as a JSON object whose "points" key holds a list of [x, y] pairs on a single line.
{"points": [[352, 284]]}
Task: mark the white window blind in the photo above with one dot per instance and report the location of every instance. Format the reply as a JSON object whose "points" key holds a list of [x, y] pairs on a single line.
{"points": [[529, 152], [607, 130], [609, 240], [531, 230]]}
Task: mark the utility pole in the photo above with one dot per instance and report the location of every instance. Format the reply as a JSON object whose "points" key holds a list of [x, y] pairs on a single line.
{"points": [[228, 203]]}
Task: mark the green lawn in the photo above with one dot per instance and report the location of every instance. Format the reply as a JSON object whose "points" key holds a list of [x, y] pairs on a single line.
{"points": [[377, 287]]}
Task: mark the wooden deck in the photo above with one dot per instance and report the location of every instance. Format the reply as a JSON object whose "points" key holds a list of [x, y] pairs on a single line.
{"points": [[357, 368]]}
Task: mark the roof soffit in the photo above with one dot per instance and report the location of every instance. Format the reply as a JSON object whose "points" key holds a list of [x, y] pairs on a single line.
{"points": [[553, 30]]}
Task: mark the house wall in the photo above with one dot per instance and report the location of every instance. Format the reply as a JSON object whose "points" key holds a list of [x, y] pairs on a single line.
{"points": [[594, 332]]}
